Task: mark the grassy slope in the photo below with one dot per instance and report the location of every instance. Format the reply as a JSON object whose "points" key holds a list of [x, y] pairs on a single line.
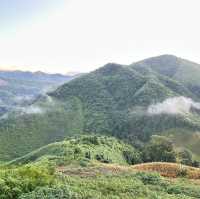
{"points": [[79, 149], [96, 180], [132, 186], [29, 182]]}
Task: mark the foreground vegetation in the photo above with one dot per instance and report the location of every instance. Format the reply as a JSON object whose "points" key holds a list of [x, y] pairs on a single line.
{"points": [[98, 167], [84, 149], [36, 182]]}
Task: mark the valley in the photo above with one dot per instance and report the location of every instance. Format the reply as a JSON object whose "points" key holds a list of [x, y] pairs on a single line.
{"points": [[19, 88]]}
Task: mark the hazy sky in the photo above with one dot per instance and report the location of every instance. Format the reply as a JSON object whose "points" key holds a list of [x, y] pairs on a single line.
{"points": [[81, 35]]}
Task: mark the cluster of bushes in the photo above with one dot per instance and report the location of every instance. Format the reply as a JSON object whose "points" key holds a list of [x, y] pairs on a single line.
{"points": [[160, 149], [185, 157], [14, 182], [31, 182], [56, 192], [84, 149], [102, 158], [37, 180], [132, 185]]}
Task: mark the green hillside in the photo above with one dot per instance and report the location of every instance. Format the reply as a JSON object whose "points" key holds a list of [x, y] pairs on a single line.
{"points": [[82, 150], [42, 123], [109, 94], [113, 100], [181, 70], [91, 167], [31, 182]]}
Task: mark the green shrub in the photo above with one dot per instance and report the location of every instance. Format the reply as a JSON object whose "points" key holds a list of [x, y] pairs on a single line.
{"points": [[149, 178], [102, 158], [132, 157], [159, 149], [185, 157], [91, 140], [182, 172], [14, 182], [88, 155], [84, 162], [50, 193], [196, 163]]}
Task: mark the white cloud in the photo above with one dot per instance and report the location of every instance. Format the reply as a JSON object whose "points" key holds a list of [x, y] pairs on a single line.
{"points": [[23, 98], [32, 110], [175, 105]]}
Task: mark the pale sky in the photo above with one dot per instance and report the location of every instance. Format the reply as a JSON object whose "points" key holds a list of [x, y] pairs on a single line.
{"points": [[82, 35]]}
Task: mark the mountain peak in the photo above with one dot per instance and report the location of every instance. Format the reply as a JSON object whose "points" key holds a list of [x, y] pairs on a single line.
{"points": [[162, 59], [164, 64], [164, 56], [110, 68]]}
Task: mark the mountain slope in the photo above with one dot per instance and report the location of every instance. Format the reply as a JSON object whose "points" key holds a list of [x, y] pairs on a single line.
{"points": [[181, 70], [112, 95], [94, 166], [34, 126], [130, 102], [99, 180], [81, 149]]}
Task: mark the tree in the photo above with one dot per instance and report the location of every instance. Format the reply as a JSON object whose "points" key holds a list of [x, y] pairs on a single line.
{"points": [[159, 149], [132, 157], [185, 157]]}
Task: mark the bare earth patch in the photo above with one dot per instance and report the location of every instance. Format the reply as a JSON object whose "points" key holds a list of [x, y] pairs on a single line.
{"points": [[170, 170]]}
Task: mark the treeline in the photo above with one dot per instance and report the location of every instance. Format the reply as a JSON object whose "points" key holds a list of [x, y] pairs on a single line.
{"points": [[161, 149]]}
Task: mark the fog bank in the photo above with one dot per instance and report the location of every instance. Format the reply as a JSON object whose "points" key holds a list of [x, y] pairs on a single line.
{"points": [[174, 105]]}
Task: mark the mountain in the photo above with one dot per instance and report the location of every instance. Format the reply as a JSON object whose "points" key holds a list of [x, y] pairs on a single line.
{"points": [[181, 70], [116, 99], [132, 102], [18, 87]]}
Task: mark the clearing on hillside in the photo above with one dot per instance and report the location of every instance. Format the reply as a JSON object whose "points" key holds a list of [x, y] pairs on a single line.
{"points": [[172, 170]]}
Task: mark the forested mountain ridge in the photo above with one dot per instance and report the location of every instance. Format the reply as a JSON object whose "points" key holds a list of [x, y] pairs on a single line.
{"points": [[121, 96], [181, 70], [130, 102]]}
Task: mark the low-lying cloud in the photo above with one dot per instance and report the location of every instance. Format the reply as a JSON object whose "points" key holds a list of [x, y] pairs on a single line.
{"points": [[23, 98], [174, 105], [37, 109], [33, 110]]}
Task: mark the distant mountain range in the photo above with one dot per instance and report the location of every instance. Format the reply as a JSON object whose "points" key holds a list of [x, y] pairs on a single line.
{"points": [[159, 95], [18, 87]]}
